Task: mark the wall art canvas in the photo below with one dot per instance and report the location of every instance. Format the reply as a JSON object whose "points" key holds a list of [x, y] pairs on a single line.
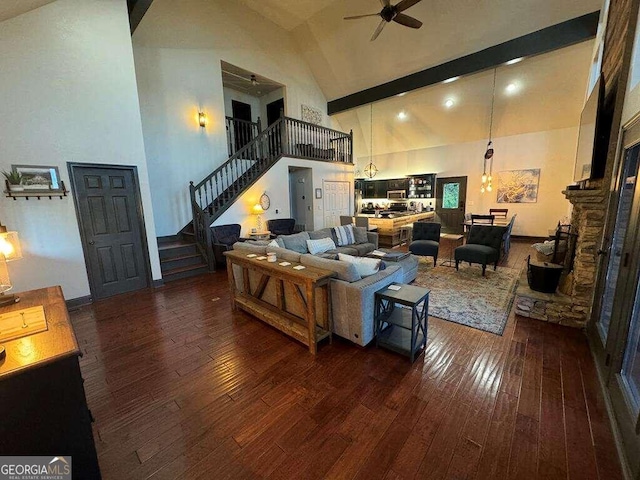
{"points": [[518, 186], [38, 178], [311, 115]]}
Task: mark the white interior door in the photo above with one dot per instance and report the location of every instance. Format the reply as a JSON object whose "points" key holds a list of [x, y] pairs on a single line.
{"points": [[337, 199]]}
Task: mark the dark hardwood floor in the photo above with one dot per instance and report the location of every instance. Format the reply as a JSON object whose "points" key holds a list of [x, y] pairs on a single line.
{"points": [[181, 387]]}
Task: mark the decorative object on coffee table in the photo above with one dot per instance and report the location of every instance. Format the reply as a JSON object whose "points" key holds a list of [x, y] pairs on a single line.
{"points": [[401, 318]]}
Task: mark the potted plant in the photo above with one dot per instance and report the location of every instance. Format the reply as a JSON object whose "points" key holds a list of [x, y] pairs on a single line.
{"points": [[15, 180]]}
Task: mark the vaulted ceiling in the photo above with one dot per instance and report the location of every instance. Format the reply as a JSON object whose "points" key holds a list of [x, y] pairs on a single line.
{"points": [[13, 8], [344, 61]]}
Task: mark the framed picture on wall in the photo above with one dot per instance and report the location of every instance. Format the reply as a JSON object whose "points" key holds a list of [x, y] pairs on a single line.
{"points": [[35, 177], [518, 186], [318, 193]]}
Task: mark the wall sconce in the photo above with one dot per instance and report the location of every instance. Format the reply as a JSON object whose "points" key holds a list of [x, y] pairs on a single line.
{"points": [[202, 119]]}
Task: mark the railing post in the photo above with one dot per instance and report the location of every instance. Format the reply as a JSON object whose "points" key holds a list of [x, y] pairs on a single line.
{"points": [[283, 134], [351, 146], [211, 260], [259, 125]]}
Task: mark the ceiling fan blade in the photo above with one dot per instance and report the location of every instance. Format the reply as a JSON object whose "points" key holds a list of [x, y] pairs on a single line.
{"points": [[378, 30], [354, 17], [407, 21], [385, 3], [404, 4]]}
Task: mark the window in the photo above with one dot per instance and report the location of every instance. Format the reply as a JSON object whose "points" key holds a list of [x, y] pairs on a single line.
{"points": [[451, 195]]}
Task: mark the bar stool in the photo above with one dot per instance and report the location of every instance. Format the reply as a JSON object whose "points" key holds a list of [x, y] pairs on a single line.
{"points": [[406, 233]]}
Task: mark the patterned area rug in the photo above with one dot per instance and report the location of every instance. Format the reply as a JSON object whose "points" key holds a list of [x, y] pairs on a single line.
{"points": [[466, 297]]}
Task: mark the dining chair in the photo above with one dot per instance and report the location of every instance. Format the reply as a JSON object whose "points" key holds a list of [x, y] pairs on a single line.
{"points": [[499, 212], [364, 222], [346, 220], [482, 219]]}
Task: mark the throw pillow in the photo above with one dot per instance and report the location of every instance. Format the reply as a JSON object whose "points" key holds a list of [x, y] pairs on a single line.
{"points": [[360, 235], [322, 233], [365, 266], [320, 246], [273, 243], [296, 242], [344, 235]]}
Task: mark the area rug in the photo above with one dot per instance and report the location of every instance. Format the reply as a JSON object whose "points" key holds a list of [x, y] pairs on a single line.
{"points": [[468, 298]]}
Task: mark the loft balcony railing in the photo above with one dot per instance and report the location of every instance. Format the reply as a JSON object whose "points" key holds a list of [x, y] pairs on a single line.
{"points": [[285, 137]]}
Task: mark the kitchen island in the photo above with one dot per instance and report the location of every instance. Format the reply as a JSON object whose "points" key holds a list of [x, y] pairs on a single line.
{"points": [[389, 226]]}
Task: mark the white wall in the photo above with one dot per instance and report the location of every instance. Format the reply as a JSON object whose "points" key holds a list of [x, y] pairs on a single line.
{"points": [[273, 183], [178, 47], [553, 152], [68, 94]]}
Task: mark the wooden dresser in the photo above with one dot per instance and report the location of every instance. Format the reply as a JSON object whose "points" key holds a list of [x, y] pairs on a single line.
{"points": [[42, 400]]}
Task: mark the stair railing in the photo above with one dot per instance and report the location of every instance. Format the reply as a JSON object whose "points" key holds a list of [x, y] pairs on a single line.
{"points": [[240, 132], [285, 137]]}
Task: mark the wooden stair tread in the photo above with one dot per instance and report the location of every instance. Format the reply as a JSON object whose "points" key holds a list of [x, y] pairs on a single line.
{"points": [[175, 271], [176, 244], [181, 257]]}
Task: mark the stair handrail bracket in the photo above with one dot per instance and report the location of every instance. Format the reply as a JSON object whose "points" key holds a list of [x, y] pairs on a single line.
{"points": [[212, 196]]}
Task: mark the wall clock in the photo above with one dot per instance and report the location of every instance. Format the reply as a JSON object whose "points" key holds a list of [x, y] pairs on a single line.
{"points": [[265, 201]]}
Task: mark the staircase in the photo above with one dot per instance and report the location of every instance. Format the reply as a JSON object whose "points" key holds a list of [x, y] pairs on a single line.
{"points": [[211, 197], [180, 258]]}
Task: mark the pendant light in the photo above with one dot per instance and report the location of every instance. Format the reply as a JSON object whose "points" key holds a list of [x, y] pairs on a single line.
{"points": [[371, 170], [488, 155]]}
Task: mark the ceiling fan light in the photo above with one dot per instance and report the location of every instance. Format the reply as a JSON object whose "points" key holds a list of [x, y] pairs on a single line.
{"points": [[484, 178]]}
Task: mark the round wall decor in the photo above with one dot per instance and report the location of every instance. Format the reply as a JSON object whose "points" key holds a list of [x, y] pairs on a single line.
{"points": [[265, 201]]}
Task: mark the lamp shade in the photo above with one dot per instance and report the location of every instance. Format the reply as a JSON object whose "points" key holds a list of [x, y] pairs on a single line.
{"points": [[257, 209], [10, 246]]}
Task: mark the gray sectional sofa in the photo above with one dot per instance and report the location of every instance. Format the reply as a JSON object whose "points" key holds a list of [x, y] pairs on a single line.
{"points": [[352, 297]]}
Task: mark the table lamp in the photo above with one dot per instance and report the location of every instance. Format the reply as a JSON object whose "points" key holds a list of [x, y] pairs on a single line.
{"points": [[9, 250], [258, 210]]}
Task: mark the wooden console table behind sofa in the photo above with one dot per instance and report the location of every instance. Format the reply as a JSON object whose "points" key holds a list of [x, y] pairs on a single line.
{"points": [[296, 302]]}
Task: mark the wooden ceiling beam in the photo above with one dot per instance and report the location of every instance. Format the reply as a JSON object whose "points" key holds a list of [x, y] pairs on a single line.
{"points": [[548, 39]]}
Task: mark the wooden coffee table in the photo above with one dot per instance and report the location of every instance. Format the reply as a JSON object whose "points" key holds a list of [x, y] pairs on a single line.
{"points": [[310, 288]]}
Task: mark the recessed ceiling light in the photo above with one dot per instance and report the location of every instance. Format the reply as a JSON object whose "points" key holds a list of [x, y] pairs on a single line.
{"points": [[402, 115], [514, 61], [449, 102], [511, 88], [449, 80], [401, 94]]}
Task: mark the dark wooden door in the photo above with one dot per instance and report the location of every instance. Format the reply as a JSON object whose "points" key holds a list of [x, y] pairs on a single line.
{"points": [[242, 133], [273, 110], [451, 198], [110, 214]]}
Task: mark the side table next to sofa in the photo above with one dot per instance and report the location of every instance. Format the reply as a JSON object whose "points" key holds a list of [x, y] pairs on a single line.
{"points": [[403, 330]]}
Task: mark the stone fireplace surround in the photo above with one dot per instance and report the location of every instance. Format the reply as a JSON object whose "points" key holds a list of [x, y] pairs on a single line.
{"points": [[573, 307]]}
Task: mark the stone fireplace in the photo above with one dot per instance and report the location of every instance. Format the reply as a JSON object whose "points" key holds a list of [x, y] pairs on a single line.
{"points": [[571, 305]]}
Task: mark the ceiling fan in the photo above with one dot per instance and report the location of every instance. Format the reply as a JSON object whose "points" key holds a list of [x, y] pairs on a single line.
{"points": [[392, 13]]}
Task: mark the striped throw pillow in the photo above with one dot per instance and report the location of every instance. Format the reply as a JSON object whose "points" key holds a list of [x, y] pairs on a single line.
{"points": [[320, 246], [345, 235]]}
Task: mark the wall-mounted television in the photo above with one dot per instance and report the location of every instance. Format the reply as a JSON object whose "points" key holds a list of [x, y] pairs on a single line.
{"points": [[593, 137]]}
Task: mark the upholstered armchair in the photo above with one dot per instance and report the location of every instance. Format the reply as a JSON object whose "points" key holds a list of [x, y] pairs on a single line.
{"points": [[281, 226], [483, 246], [224, 236], [426, 240]]}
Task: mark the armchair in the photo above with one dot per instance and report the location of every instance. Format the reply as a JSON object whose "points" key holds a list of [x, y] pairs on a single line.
{"points": [[224, 236], [483, 246], [281, 226], [426, 240]]}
